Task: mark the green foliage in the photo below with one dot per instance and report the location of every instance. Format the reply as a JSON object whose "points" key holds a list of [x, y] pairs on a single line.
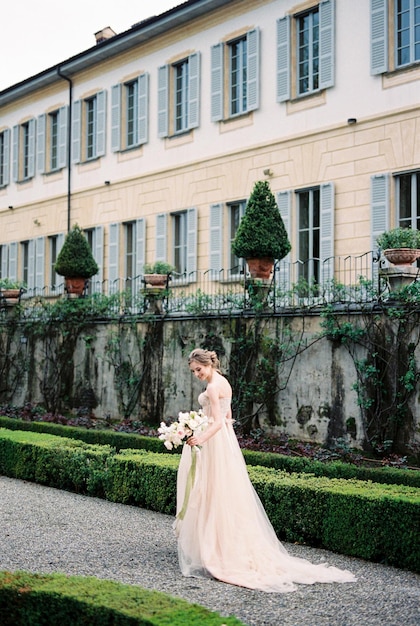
{"points": [[399, 238], [27, 598], [261, 232], [302, 507], [158, 267], [8, 283], [75, 258]]}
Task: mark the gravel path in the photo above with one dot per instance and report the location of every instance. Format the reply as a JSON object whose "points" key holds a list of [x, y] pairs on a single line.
{"points": [[47, 530]]}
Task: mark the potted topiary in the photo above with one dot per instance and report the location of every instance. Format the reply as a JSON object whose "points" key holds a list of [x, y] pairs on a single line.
{"points": [[75, 261], [261, 236], [157, 274], [401, 246]]}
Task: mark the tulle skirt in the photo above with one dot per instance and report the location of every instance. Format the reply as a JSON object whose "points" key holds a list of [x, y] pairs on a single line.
{"points": [[225, 533]]}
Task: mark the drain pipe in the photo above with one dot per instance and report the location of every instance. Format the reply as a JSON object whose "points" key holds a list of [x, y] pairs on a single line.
{"points": [[69, 122]]}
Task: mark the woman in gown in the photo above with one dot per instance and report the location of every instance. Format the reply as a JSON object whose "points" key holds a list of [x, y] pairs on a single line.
{"points": [[224, 532]]}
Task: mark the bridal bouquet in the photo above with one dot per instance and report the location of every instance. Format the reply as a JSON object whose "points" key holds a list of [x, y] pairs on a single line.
{"points": [[176, 433]]}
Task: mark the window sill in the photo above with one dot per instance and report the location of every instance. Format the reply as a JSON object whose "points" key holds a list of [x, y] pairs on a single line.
{"points": [[401, 75]]}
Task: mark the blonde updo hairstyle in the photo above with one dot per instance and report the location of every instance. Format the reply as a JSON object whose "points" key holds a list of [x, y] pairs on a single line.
{"points": [[205, 357]]}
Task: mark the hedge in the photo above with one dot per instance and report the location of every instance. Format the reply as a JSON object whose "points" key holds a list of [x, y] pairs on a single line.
{"points": [[359, 518], [121, 441], [76, 600]]}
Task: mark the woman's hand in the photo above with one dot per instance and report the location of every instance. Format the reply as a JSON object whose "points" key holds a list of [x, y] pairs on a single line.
{"points": [[193, 441]]}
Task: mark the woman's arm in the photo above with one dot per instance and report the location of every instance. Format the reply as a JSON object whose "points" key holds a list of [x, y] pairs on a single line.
{"points": [[213, 395]]}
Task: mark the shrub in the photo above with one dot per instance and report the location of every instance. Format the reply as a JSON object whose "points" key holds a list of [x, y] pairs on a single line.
{"points": [[75, 258]]}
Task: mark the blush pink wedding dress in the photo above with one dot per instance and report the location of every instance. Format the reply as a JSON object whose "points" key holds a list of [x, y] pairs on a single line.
{"points": [[224, 532]]}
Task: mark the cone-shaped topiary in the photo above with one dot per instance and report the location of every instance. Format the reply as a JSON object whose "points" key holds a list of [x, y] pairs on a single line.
{"points": [[75, 258], [261, 232]]}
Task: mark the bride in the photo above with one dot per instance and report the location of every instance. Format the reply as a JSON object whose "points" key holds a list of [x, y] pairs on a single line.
{"points": [[224, 532]]}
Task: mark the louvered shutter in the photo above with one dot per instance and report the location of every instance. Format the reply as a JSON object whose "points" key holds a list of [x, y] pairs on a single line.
{"points": [[379, 213], [113, 258], [13, 252], [60, 242], [40, 264], [161, 228], [140, 245], [217, 82], [76, 132], [283, 59], [327, 232], [6, 163], [284, 204], [216, 237], [31, 148], [143, 108], [378, 36], [15, 163], [101, 123], [163, 98], [326, 43], [4, 261], [194, 90], [115, 117], [98, 255], [191, 243], [63, 136], [253, 74], [40, 143], [31, 265]]}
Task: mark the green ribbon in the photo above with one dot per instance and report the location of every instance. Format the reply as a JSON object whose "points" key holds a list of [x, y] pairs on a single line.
{"points": [[190, 483]]}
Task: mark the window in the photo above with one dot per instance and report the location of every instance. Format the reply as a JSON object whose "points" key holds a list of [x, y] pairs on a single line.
{"points": [[179, 96], [88, 128], [395, 34], [24, 151], [236, 212], [52, 140], [4, 157], [25, 261], [408, 200], [305, 51], [181, 249], [129, 117], [238, 60]]}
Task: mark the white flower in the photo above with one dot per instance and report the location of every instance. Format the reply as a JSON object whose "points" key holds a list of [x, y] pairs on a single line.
{"points": [[176, 433]]}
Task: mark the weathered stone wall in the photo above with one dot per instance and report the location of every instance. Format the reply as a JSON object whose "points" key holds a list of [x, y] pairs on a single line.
{"points": [[140, 370]]}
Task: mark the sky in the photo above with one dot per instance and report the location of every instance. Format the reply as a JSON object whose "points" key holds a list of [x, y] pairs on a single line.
{"points": [[38, 35]]}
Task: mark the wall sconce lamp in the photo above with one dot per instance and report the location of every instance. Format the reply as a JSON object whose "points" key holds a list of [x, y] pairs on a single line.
{"points": [[107, 182], [351, 121], [11, 207], [37, 222], [268, 172]]}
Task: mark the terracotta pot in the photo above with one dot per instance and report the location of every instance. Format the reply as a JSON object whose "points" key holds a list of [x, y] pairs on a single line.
{"points": [[10, 296], [156, 280], [401, 256], [261, 267], [75, 286]]}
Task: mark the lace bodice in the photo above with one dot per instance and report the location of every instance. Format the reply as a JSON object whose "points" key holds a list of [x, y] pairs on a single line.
{"points": [[204, 401]]}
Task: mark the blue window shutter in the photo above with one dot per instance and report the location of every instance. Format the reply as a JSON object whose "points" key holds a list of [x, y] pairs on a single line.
{"points": [[327, 231], [15, 164], [378, 36], [326, 43], [101, 123], [217, 82], [31, 148], [216, 237], [4, 260], [98, 255], [6, 165], [283, 59], [113, 257], [253, 74], [379, 206], [31, 264], [143, 108], [192, 241], [161, 229], [163, 100], [63, 135], [140, 245], [115, 118], [40, 263], [40, 143], [284, 204], [194, 90], [60, 242], [76, 132], [13, 254]]}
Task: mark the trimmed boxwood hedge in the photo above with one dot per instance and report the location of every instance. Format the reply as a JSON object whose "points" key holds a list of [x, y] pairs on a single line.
{"points": [[369, 520], [76, 601], [120, 441]]}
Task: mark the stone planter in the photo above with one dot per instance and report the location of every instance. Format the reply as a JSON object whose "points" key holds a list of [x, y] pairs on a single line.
{"points": [[401, 256], [75, 286], [260, 267]]}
